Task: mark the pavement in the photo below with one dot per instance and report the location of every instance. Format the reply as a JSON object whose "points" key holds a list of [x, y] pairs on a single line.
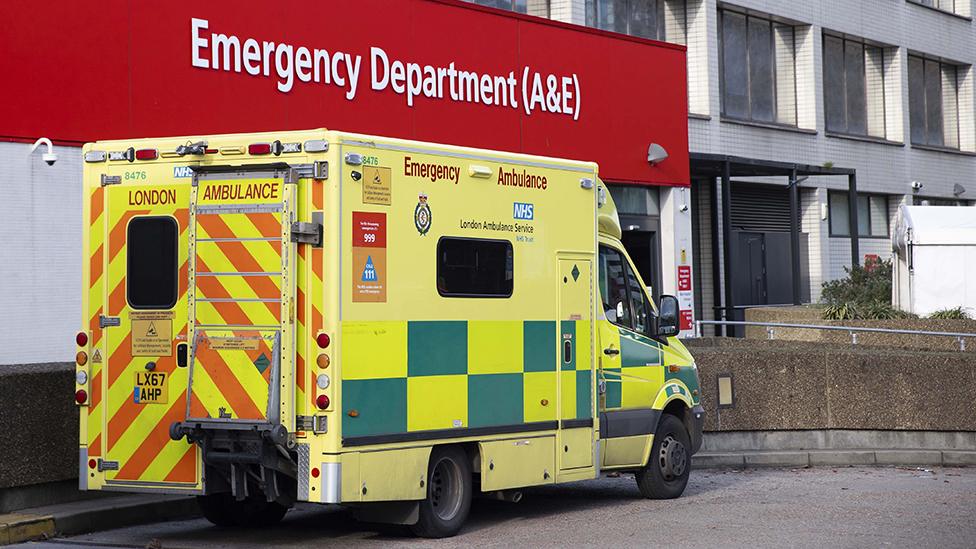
{"points": [[851, 506]]}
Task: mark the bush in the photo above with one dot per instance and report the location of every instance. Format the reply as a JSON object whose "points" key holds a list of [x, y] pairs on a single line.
{"points": [[957, 313], [863, 286]]}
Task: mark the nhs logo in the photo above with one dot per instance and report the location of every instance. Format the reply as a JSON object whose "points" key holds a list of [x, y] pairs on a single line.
{"points": [[182, 171], [524, 211]]}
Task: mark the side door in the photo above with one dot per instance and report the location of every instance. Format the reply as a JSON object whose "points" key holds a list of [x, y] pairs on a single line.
{"points": [[575, 448], [631, 370]]}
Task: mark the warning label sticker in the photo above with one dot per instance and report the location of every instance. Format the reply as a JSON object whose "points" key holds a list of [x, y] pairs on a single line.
{"points": [[234, 343], [368, 257], [152, 333], [377, 187]]}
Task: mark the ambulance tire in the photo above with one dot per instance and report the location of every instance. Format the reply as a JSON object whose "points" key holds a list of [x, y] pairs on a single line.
{"points": [[448, 501], [225, 511], [666, 473]]}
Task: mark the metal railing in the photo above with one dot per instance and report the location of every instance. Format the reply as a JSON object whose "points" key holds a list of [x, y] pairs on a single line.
{"points": [[852, 330]]}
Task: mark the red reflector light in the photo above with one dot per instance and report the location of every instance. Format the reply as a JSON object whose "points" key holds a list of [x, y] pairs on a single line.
{"points": [[147, 154], [259, 148], [315, 472], [81, 339], [322, 402], [323, 340], [92, 463], [81, 396], [211, 151]]}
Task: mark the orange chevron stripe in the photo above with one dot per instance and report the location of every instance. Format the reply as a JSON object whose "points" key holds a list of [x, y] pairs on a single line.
{"points": [[317, 263], [185, 469], [95, 448], [229, 311], [116, 299], [230, 387], [116, 237], [120, 359], [96, 390], [95, 266], [318, 194], [268, 224], [97, 204], [94, 327], [182, 216], [156, 439]]}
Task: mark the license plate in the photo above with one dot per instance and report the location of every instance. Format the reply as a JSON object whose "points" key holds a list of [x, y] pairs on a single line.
{"points": [[150, 388]]}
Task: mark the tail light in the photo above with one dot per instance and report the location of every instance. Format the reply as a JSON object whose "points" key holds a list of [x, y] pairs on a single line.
{"points": [[92, 463], [81, 396], [81, 358], [322, 402], [315, 472], [323, 361], [323, 340], [147, 154], [81, 339], [323, 381], [259, 148]]}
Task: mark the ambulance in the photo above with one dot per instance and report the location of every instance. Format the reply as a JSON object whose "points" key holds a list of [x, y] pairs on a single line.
{"points": [[390, 325]]}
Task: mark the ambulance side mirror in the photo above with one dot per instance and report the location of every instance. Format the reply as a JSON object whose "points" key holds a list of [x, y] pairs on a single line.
{"points": [[667, 319]]}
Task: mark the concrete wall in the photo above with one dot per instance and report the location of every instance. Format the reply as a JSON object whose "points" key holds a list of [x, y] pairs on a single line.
{"points": [[40, 262], [804, 386]]}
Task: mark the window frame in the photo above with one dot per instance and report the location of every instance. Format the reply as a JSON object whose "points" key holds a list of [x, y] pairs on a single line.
{"points": [[830, 217], [437, 267], [845, 40], [956, 120], [176, 263], [772, 22], [939, 9], [630, 273], [592, 18]]}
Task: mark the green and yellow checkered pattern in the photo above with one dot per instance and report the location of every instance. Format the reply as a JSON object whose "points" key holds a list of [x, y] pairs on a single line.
{"points": [[408, 376]]}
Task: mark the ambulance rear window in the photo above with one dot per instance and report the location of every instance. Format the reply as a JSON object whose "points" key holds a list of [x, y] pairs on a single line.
{"points": [[151, 248], [474, 267]]}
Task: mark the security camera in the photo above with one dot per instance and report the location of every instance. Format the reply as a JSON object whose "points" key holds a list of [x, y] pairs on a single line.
{"points": [[917, 185], [49, 157]]}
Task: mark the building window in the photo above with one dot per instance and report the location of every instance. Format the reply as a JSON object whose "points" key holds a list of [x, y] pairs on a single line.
{"points": [[853, 87], [951, 6], [933, 102], [872, 215], [474, 267], [539, 8], [758, 68], [652, 19], [151, 268], [934, 201]]}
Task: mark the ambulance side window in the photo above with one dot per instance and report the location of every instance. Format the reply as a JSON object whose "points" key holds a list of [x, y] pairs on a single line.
{"points": [[474, 267], [151, 262], [613, 287]]}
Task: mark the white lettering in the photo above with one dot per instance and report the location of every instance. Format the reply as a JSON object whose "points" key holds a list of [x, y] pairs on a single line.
{"points": [[303, 62], [252, 54], [196, 25], [231, 46], [352, 69], [284, 69], [378, 56]]}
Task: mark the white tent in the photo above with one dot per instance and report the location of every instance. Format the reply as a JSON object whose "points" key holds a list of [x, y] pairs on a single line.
{"points": [[935, 259]]}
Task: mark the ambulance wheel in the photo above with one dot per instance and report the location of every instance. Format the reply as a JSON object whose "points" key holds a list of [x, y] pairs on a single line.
{"points": [[224, 510], [218, 509], [448, 501], [666, 473]]}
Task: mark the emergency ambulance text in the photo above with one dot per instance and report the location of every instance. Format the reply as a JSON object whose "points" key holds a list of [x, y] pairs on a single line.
{"points": [[534, 91], [434, 172], [226, 191]]}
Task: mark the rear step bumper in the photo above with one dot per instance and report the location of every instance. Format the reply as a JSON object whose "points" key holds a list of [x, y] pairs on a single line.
{"points": [[197, 429]]}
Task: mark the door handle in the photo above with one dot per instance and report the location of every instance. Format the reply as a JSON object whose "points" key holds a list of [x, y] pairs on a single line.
{"points": [[610, 351]]}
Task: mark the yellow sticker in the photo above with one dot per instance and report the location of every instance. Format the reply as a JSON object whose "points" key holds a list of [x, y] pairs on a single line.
{"points": [[152, 333], [377, 185], [233, 343], [248, 191], [150, 388]]}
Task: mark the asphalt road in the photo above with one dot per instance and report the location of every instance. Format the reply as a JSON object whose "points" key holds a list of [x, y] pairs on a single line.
{"points": [[818, 507]]}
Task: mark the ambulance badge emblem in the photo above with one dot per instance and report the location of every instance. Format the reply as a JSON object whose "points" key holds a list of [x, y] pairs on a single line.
{"points": [[421, 215]]}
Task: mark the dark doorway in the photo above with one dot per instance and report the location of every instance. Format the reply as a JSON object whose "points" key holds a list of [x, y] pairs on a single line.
{"points": [[643, 248]]}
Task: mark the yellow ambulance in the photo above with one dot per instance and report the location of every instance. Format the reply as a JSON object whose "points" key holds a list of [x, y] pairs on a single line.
{"points": [[391, 325]]}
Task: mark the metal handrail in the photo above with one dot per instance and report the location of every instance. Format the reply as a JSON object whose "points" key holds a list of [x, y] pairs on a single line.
{"points": [[852, 330]]}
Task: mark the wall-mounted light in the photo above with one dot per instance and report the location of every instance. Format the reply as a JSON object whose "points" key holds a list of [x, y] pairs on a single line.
{"points": [[917, 186], [656, 154]]}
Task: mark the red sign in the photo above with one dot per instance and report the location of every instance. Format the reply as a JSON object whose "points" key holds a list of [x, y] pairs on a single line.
{"points": [[368, 230], [433, 70], [684, 278], [687, 319]]}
